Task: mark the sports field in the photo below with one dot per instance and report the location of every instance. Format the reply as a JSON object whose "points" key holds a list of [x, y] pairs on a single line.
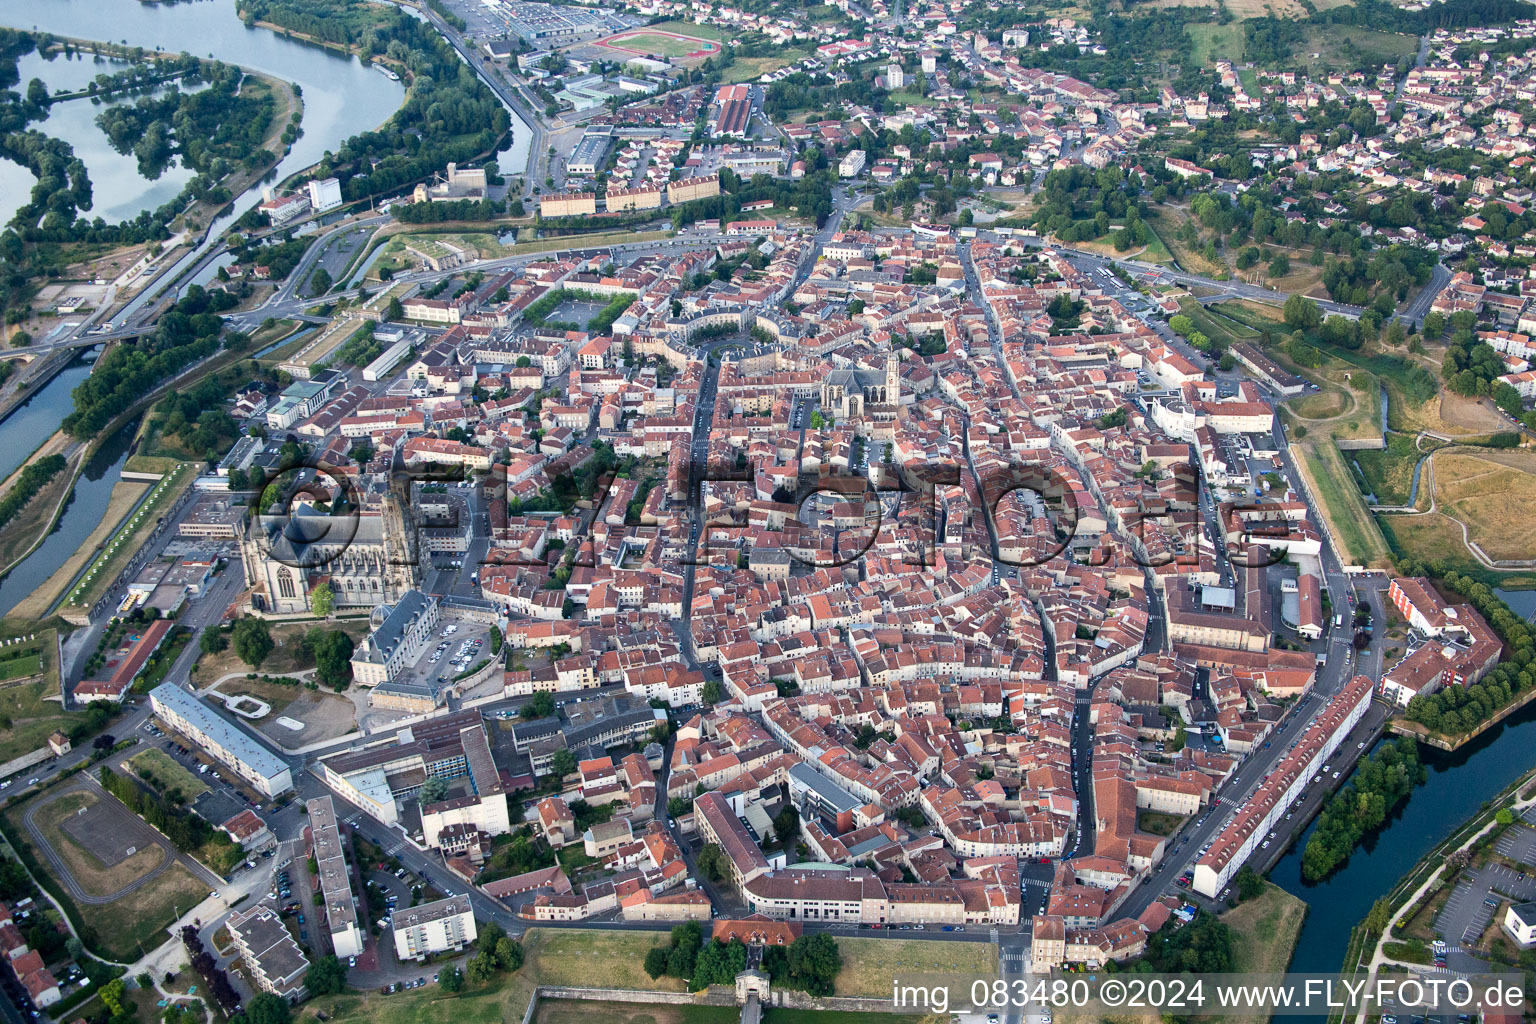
{"points": [[650, 42]]}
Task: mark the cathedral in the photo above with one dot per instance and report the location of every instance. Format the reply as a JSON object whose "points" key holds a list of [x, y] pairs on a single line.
{"points": [[370, 559], [855, 393]]}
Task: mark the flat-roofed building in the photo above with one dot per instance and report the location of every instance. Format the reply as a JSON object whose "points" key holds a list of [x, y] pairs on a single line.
{"points": [[588, 155], [437, 927], [276, 964], [335, 877], [221, 739]]}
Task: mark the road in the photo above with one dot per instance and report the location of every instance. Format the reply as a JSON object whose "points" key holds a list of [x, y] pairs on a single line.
{"points": [[514, 99]]}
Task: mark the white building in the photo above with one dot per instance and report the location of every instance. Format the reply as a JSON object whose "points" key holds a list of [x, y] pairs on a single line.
{"points": [[1245, 834], [325, 194], [851, 163], [222, 740], [1520, 922], [435, 927], [399, 640]]}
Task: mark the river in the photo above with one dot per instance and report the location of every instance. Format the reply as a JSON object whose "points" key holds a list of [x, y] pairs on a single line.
{"points": [[342, 98], [118, 191], [1459, 782]]}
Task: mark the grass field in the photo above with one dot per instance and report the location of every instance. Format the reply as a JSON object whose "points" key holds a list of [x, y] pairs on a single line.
{"points": [[94, 877], [139, 920], [576, 957], [577, 1011], [1496, 500], [1216, 42], [869, 964], [1338, 45], [1354, 528], [748, 69], [21, 664], [155, 764], [1437, 538], [1157, 823], [658, 42], [1266, 928]]}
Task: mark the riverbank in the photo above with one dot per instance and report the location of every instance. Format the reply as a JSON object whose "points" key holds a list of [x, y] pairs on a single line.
{"points": [[1419, 890], [1459, 783], [1424, 735]]}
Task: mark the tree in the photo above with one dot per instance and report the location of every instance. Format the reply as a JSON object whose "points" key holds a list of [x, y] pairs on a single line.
{"points": [[786, 825], [811, 963], [562, 763], [1249, 883], [712, 862], [320, 281], [1302, 314], [1504, 816], [509, 953], [1433, 326], [1181, 325], [541, 706], [433, 790], [265, 1008], [451, 979], [327, 976], [333, 658], [252, 640], [712, 691], [1227, 362], [112, 996], [1280, 265], [480, 968], [656, 961], [394, 311], [322, 599], [212, 641]]}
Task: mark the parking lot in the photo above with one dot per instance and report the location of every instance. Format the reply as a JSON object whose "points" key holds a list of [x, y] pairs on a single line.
{"points": [[459, 643], [1470, 909]]}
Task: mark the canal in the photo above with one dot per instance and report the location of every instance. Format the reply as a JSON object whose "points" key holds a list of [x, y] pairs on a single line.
{"points": [[92, 490], [1459, 782]]}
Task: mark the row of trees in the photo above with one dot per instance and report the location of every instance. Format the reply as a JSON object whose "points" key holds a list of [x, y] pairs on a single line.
{"points": [[207, 968], [1380, 783], [187, 832], [31, 480], [1457, 710]]}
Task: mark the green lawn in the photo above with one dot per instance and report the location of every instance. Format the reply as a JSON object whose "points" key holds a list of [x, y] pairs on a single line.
{"points": [[1215, 42], [156, 767], [1354, 527], [21, 664]]}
